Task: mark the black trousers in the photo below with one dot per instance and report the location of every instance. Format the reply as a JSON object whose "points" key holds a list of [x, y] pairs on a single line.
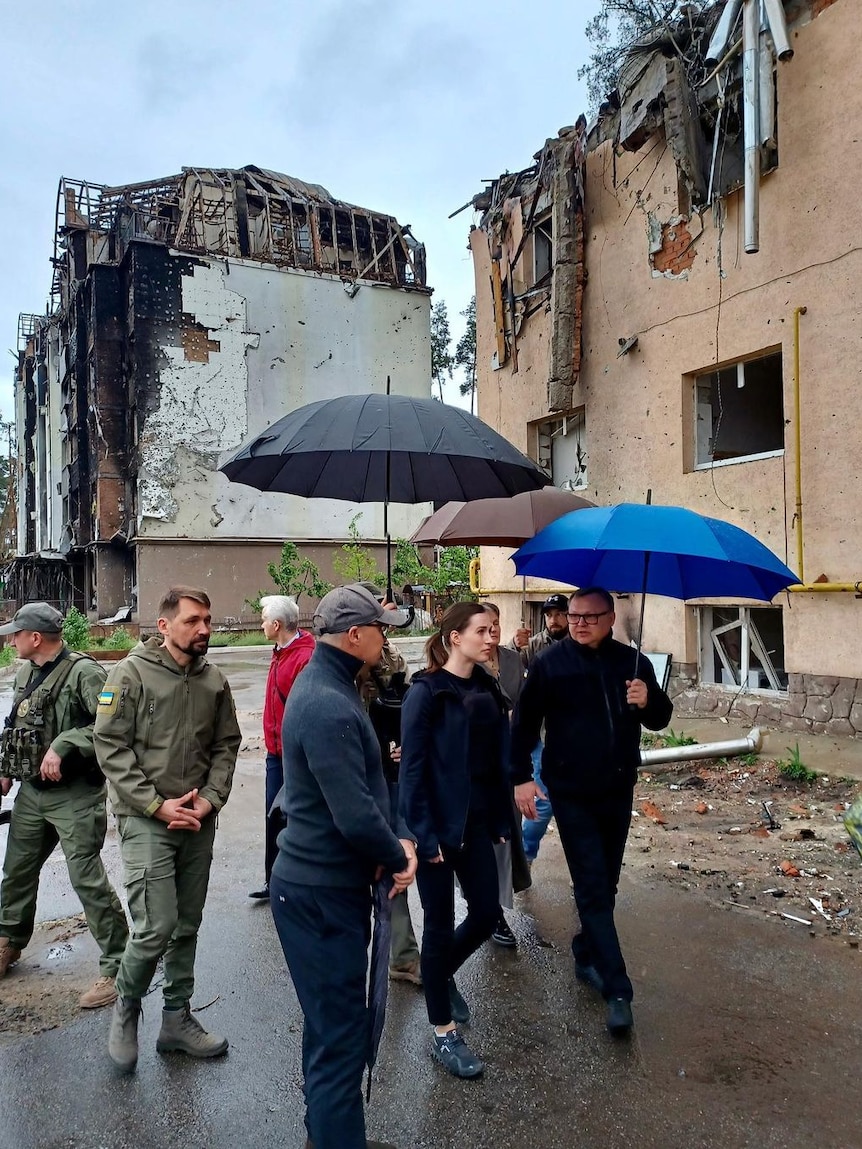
{"points": [[324, 932], [445, 948], [593, 835]]}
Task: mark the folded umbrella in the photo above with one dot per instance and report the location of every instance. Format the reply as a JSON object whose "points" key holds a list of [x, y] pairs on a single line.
{"points": [[378, 976]]}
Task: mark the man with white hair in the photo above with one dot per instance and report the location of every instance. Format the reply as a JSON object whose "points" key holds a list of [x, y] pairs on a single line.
{"points": [[292, 650]]}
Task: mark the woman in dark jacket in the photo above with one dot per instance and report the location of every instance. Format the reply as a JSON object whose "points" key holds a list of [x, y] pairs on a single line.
{"points": [[455, 798]]}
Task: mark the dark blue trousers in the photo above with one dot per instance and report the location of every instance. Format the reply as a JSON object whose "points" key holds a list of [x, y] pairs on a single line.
{"points": [[593, 835], [445, 948], [325, 932], [275, 820]]}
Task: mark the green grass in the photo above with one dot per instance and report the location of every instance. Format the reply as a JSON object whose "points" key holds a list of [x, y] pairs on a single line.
{"points": [[674, 739], [7, 655], [794, 769], [246, 638], [747, 759]]}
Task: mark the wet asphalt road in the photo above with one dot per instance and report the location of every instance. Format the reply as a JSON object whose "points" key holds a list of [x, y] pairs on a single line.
{"points": [[748, 1032]]}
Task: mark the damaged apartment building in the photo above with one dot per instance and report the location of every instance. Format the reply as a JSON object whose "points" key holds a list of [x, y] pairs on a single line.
{"points": [[187, 314], [668, 300]]}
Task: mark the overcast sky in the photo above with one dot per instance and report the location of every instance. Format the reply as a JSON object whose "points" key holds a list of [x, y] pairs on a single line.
{"points": [[400, 107]]}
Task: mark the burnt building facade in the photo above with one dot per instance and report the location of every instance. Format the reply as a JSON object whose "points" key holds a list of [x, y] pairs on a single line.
{"points": [[187, 314]]}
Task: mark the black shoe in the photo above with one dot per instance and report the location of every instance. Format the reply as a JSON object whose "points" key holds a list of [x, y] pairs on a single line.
{"points": [[503, 936], [452, 1051], [620, 1018], [262, 894], [589, 975], [459, 1008]]}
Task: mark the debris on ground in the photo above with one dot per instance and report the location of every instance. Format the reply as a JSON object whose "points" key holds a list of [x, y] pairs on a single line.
{"points": [[754, 839]]}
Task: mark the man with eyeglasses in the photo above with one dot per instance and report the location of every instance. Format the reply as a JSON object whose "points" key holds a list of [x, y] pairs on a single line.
{"points": [[593, 695], [337, 840]]}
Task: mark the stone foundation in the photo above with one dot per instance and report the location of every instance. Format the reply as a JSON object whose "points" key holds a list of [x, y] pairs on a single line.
{"points": [[814, 704]]}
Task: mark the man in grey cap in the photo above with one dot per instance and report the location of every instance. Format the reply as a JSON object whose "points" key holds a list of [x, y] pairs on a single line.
{"points": [[338, 840], [47, 745]]}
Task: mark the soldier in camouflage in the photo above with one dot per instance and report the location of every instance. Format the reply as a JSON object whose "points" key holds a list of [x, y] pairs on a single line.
{"points": [[47, 746]]}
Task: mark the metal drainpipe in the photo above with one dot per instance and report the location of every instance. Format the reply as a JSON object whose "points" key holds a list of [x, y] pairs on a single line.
{"points": [[751, 118], [750, 744], [777, 22]]}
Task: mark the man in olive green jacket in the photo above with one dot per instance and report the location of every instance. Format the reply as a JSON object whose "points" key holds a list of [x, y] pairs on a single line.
{"points": [[48, 746], [166, 738]]}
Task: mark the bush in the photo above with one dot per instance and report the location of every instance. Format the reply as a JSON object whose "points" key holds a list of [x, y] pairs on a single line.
{"points": [[7, 655], [76, 629], [120, 639]]}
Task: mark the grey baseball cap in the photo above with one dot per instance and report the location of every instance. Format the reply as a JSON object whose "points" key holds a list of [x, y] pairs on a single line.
{"points": [[353, 605], [40, 616]]}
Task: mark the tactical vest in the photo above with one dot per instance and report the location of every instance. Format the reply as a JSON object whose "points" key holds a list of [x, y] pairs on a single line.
{"points": [[24, 744]]}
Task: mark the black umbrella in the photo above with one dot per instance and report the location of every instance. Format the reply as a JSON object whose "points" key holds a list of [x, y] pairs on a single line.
{"points": [[383, 449], [378, 976]]}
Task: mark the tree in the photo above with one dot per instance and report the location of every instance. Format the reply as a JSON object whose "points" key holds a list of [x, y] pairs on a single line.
{"points": [[452, 575], [441, 339], [614, 30], [465, 353], [355, 562], [407, 567], [293, 575]]}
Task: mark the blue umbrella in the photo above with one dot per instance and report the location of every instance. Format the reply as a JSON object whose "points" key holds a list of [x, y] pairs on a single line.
{"points": [[638, 548]]}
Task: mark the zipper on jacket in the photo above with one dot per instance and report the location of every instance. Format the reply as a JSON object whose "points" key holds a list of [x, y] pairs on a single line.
{"points": [[150, 710], [185, 721]]}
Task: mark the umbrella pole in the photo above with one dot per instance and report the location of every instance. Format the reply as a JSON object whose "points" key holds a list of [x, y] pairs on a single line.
{"points": [[390, 595], [643, 607], [523, 600]]}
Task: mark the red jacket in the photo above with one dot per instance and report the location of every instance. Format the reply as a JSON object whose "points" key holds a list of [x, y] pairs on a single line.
{"points": [[287, 662]]}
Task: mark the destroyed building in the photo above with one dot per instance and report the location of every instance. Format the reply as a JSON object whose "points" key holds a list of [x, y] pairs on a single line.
{"points": [[667, 300], [187, 314]]}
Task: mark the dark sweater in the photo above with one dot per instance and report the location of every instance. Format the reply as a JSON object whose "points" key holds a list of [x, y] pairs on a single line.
{"points": [[335, 796], [436, 777], [592, 738]]}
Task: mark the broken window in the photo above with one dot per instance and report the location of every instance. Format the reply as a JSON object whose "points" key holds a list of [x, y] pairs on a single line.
{"points": [[561, 448], [543, 249], [743, 647], [739, 412]]}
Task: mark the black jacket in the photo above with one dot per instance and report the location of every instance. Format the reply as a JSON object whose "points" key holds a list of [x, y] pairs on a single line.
{"points": [[335, 797], [592, 738], [435, 768]]}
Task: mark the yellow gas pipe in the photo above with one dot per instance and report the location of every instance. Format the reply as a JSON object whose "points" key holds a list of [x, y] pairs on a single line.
{"points": [[817, 587]]}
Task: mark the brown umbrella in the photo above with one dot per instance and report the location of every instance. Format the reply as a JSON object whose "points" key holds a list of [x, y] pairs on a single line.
{"points": [[498, 522]]}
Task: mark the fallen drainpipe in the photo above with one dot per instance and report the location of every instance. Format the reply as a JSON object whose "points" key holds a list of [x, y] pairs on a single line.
{"points": [[750, 744]]}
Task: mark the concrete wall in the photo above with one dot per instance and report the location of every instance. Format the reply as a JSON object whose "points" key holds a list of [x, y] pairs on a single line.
{"points": [[259, 342], [707, 306]]}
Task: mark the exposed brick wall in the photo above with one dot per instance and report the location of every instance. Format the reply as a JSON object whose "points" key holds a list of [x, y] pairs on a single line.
{"points": [[677, 251]]}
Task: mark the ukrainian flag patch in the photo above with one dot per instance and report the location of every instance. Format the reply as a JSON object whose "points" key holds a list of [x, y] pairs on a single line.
{"points": [[107, 702]]}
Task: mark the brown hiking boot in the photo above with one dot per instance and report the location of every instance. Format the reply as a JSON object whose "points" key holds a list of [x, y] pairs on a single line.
{"points": [[409, 972], [101, 992], [8, 955], [182, 1033], [123, 1034]]}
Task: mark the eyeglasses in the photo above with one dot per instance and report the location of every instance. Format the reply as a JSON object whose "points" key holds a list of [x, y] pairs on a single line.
{"points": [[587, 619], [381, 626]]}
